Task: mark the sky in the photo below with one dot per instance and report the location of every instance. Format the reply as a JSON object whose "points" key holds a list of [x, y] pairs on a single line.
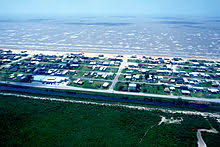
{"points": [[110, 7]]}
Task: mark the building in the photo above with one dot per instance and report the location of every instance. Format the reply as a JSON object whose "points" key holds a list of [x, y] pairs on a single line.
{"points": [[185, 92], [132, 87], [48, 79], [105, 85], [167, 90], [213, 90]]}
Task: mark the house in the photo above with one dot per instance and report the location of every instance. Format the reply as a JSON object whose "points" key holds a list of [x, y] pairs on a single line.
{"points": [[129, 71], [196, 63], [133, 65], [92, 63], [103, 68], [185, 80], [79, 82], [153, 72], [74, 65], [132, 87], [105, 75], [87, 73], [105, 85], [185, 92], [26, 78], [136, 77], [133, 56], [167, 90], [117, 63], [106, 63], [164, 80], [95, 67], [172, 88], [65, 72], [142, 65], [143, 71], [128, 77], [115, 59], [213, 90], [49, 79], [179, 80], [172, 81], [199, 88], [112, 63], [92, 74], [215, 84], [90, 82], [194, 74]]}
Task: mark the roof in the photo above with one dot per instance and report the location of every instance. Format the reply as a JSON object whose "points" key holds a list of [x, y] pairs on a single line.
{"points": [[105, 84], [44, 78], [185, 92], [132, 85]]}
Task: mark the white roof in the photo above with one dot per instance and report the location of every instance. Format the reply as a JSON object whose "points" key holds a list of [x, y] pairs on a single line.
{"points": [[132, 85], [185, 91], [105, 84]]}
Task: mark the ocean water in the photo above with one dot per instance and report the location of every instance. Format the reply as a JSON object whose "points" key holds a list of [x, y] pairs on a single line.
{"points": [[165, 36]]}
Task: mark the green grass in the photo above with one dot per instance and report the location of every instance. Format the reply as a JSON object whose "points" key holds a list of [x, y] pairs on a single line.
{"points": [[198, 94], [94, 85], [29, 122], [153, 89]]}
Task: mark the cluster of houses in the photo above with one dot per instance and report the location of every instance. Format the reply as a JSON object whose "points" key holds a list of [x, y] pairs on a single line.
{"points": [[91, 74], [6, 56], [200, 65], [78, 59], [47, 68], [176, 73], [184, 89]]}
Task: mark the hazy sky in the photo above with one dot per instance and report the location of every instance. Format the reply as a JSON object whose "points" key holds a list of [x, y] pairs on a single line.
{"points": [[110, 7]]}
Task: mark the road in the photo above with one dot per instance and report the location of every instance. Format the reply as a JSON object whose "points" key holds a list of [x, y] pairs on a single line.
{"points": [[201, 142], [122, 66], [63, 86]]}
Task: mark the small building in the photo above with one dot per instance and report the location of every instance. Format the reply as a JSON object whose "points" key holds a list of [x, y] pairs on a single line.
{"points": [[105, 85], [164, 80], [172, 88], [167, 90], [75, 65], [132, 87], [185, 92], [136, 77], [213, 90], [128, 77], [133, 65]]}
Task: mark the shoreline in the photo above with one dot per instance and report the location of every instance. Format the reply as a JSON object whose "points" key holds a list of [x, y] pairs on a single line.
{"points": [[58, 52]]}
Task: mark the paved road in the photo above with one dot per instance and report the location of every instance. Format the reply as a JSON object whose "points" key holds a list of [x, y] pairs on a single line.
{"points": [[201, 142], [122, 66], [65, 87]]}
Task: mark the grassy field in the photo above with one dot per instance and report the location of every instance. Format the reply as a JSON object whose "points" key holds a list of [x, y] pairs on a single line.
{"points": [[29, 122], [93, 85]]}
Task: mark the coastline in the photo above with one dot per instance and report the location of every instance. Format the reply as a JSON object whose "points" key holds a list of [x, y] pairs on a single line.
{"points": [[58, 52]]}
